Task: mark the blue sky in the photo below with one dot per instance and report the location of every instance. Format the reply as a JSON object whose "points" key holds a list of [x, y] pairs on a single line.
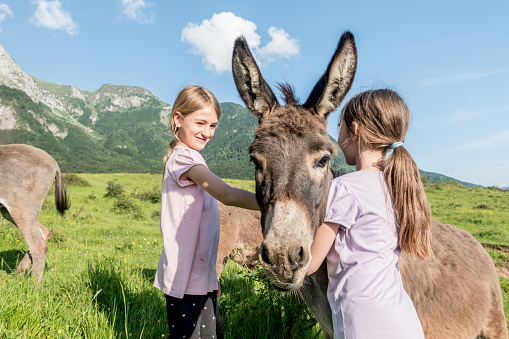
{"points": [[448, 59]]}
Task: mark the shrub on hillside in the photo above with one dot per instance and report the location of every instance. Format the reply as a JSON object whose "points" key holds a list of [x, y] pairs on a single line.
{"points": [[153, 196], [114, 190], [124, 205], [452, 184], [76, 180], [495, 188]]}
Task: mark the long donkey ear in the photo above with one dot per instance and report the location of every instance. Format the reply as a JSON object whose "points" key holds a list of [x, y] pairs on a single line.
{"points": [[337, 79], [251, 86]]}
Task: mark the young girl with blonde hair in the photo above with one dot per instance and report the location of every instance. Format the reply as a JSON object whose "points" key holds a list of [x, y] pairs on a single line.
{"points": [[373, 214], [190, 218]]}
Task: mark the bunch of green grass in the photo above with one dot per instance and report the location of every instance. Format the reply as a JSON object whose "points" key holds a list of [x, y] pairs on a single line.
{"points": [[252, 308]]}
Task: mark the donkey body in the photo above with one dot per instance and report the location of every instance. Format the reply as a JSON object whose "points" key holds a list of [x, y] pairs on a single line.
{"points": [[456, 294], [27, 174], [240, 237]]}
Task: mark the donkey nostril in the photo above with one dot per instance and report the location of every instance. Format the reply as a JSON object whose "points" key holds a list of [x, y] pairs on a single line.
{"points": [[264, 254], [297, 257]]}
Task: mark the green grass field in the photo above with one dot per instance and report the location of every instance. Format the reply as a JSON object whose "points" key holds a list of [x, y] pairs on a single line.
{"points": [[103, 255]]}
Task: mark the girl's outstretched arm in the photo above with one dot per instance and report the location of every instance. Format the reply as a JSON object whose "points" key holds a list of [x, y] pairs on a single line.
{"points": [[220, 190], [324, 238]]}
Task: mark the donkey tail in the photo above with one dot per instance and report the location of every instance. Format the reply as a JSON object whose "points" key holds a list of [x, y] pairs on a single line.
{"points": [[62, 198]]}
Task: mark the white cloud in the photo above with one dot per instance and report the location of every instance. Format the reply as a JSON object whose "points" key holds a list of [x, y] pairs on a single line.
{"points": [[213, 40], [281, 46], [457, 78], [49, 14], [496, 141], [4, 12], [134, 10], [466, 114]]}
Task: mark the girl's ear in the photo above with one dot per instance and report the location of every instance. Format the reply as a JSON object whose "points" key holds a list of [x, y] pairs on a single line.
{"points": [[177, 118], [355, 129]]}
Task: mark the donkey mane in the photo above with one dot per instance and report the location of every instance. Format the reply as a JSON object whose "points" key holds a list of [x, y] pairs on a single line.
{"points": [[288, 93]]}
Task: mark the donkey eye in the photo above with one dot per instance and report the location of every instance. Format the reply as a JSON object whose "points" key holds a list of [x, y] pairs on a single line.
{"points": [[258, 166], [323, 161]]}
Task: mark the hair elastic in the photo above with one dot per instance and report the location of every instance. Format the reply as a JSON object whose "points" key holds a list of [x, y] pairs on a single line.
{"points": [[396, 144]]}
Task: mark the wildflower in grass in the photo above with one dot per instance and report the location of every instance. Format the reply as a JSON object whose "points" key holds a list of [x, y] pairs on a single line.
{"points": [[59, 331]]}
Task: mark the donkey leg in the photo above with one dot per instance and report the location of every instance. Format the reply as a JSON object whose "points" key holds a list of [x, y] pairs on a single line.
{"points": [[497, 325], [39, 255], [35, 237], [45, 232], [25, 265], [38, 251]]}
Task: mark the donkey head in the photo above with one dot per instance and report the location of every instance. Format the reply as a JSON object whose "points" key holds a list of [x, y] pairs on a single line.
{"points": [[291, 153]]}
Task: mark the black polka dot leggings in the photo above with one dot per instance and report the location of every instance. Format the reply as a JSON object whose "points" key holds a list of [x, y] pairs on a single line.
{"points": [[193, 317]]}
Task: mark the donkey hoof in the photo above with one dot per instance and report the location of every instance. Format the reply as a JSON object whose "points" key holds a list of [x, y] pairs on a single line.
{"points": [[23, 270]]}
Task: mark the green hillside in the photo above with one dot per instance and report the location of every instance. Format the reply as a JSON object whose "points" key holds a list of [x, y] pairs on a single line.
{"points": [[108, 138], [127, 141]]}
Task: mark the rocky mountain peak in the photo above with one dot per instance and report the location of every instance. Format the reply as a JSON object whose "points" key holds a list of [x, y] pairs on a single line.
{"points": [[11, 75]]}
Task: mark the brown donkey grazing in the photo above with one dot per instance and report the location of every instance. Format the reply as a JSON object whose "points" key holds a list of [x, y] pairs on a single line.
{"points": [[27, 174], [456, 294]]}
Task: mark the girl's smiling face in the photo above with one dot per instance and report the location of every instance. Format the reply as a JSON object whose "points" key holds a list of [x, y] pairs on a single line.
{"points": [[197, 128]]}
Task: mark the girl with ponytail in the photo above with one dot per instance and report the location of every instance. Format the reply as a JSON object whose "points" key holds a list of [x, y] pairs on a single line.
{"points": [[372, 215]]}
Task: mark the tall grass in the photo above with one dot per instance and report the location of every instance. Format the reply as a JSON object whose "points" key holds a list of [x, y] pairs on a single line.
{"points": [[251, 308], [103, 255]]}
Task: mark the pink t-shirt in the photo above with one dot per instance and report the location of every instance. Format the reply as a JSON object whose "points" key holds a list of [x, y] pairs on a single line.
{"points": [[365, 289], [190, 229]]}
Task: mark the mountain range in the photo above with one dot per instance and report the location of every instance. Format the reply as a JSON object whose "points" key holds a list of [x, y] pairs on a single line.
{"points": [[118, 128]]}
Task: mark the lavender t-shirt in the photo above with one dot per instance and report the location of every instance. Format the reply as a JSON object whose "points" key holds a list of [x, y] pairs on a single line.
{"points": [[190, 229], [365, 290]]}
